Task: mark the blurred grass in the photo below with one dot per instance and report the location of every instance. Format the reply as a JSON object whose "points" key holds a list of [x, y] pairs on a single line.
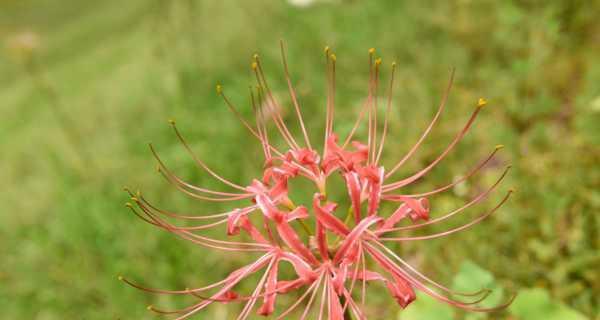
{"points": [[100, 80]]}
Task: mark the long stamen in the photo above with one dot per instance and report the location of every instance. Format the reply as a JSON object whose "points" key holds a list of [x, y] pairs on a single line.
{"points": [[161, 291], [193, 217], [192, 228], [234, 110], [451, 231], [272, 109], [330, 67], [273, 105], [312, 297], [302, 297], [250, 304], [257, 264], [387, 113], [264, 140], [182, 182], [370, 102], [305, 172], [323, 295], [354, 275], [424, 135], [180, 216], [374, 106], [205, 241], [485, 292], [457, 139], [461, 179], [376, 254], [356, 310], [333, 58], [200, 162], [363, 262], [474, 201], [197, 196], [364, 108], [293, 94], [226, 196]]}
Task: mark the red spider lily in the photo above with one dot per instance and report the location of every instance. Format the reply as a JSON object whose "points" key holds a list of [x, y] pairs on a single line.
{"points": [[334, 260]]}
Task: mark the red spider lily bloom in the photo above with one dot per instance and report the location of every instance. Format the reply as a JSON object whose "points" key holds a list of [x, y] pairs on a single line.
{"points": [[333, 258]]}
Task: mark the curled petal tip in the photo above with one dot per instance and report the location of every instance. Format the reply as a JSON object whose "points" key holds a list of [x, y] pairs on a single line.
{"points": [[481, 102]]}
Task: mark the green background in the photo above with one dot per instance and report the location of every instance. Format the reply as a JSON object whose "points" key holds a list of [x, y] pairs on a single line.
{"points": [[84, 86]]}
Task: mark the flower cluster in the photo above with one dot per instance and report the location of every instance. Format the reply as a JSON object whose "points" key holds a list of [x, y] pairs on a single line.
{"points": [[334, 253]]}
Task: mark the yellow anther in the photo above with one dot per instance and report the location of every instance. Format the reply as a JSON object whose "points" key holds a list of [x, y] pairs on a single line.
{"points": [[219, 89], [254, 65], [512, 190], [326, 50], [333, 57], [172, 122], [500, 146], [120, 278], [481, 102], [134, 199], [128, 205], [158, 167], [394, 64], [255, 56], [378, 61], [372, 51], [150, 307]]}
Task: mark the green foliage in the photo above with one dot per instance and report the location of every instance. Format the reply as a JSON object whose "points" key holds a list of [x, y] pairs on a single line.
{"points": [[472, 278], [84, 86], [536, 304]]}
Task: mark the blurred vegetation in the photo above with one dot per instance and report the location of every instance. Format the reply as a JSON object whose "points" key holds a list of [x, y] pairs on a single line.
{"points": [[84, 86]]}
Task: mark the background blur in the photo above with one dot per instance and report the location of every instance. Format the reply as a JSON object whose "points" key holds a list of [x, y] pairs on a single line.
{"points": [[84, 86]]}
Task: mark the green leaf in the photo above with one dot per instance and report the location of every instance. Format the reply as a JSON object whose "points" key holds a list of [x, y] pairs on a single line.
{"points": [[472, 278], [536, 304], [426, 307]]}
